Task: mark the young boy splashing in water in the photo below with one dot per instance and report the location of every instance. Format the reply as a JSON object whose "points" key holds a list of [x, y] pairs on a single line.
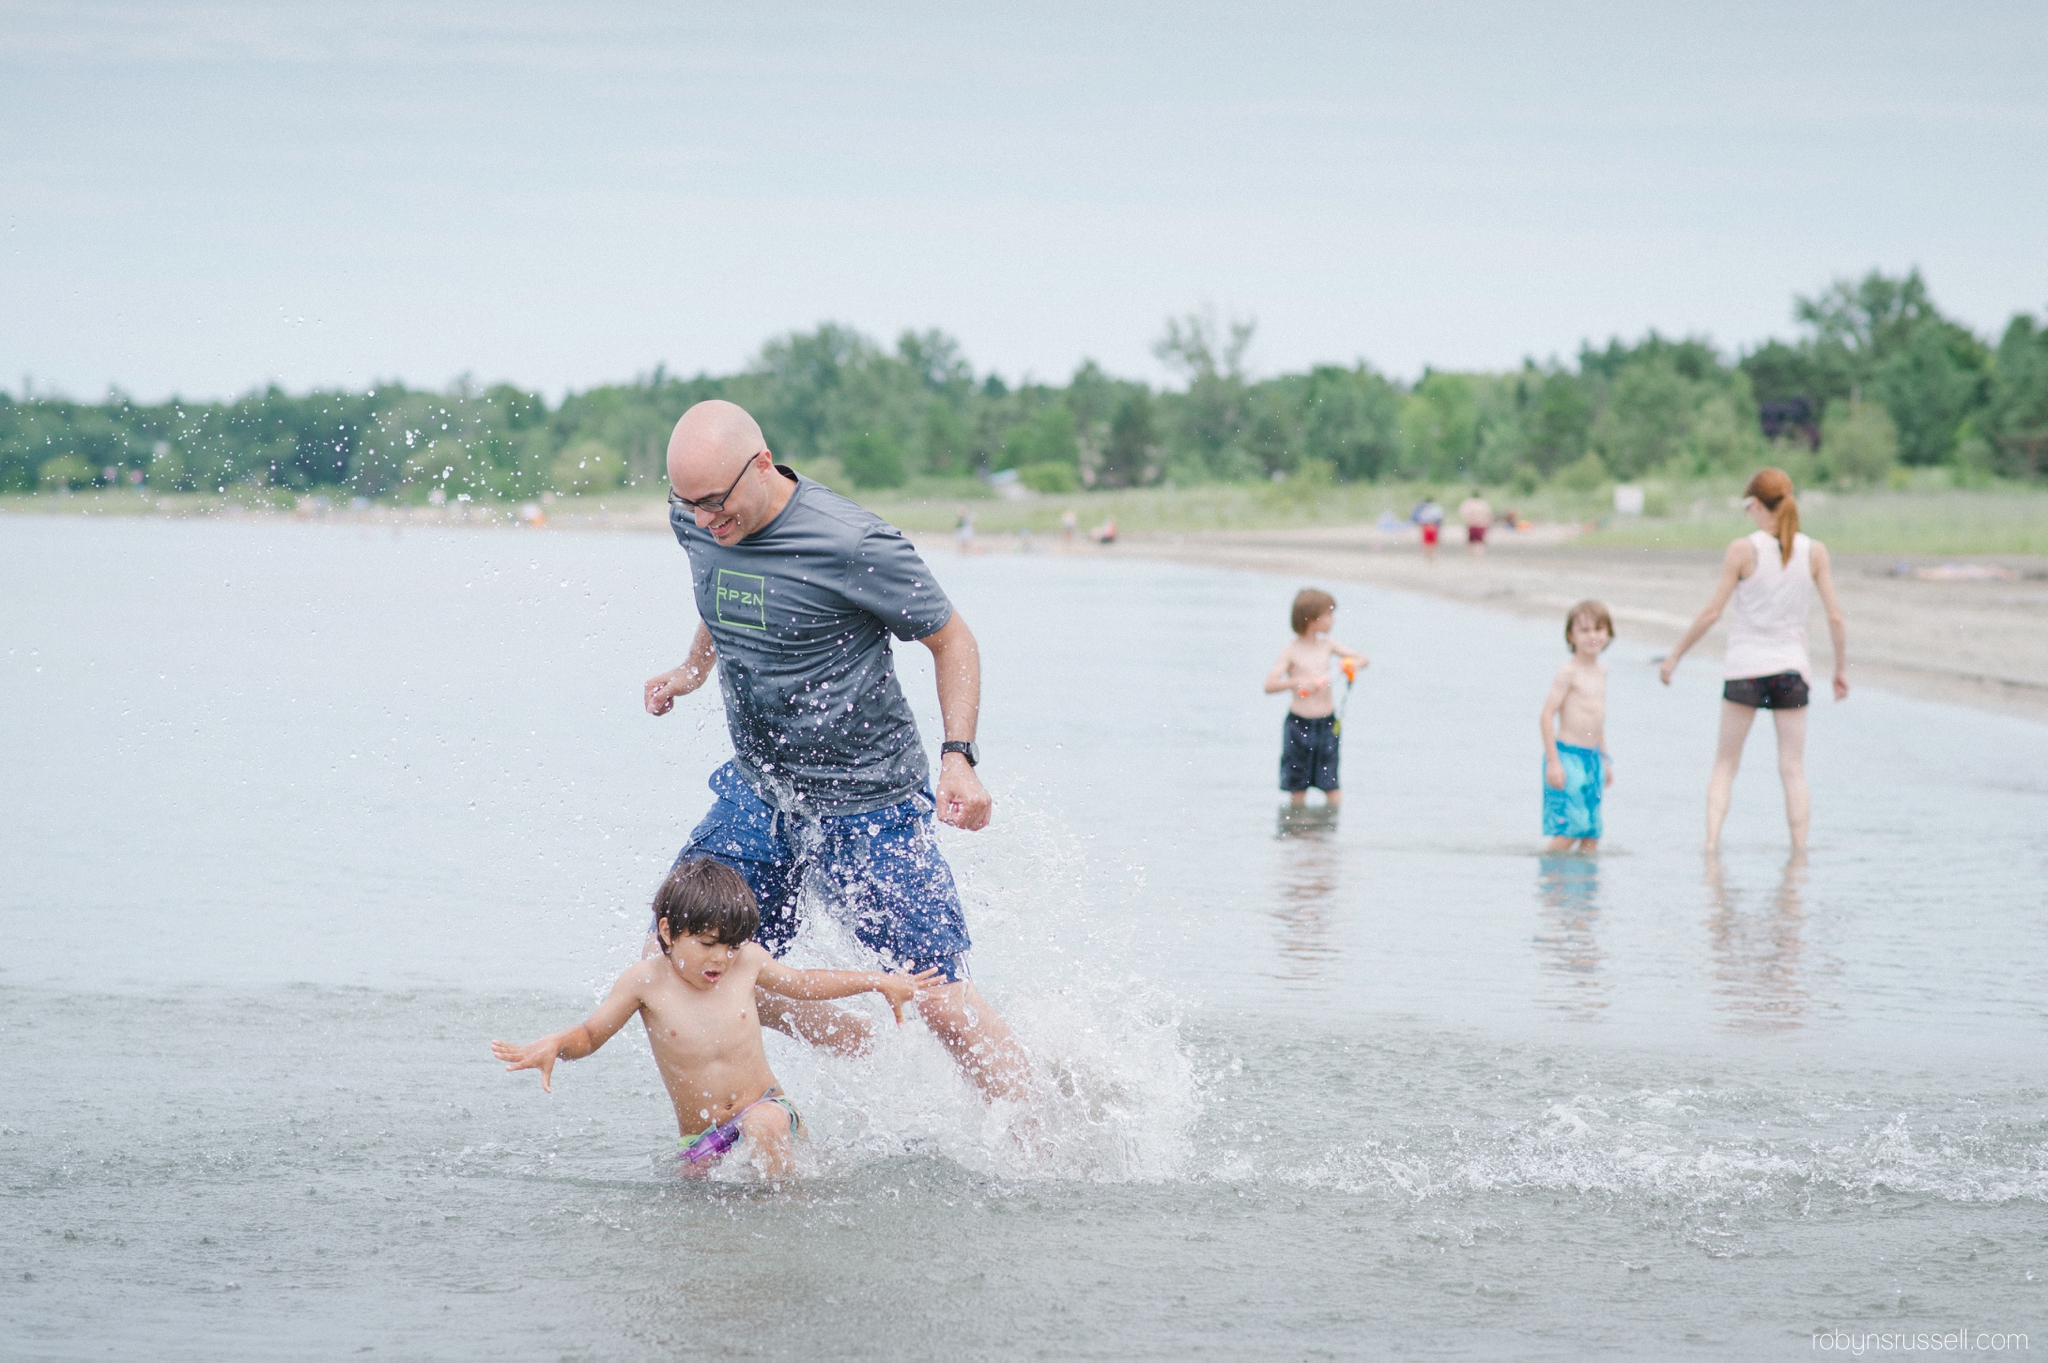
{"points": [[1576, 767], [1308, 740], [697, 1000]]}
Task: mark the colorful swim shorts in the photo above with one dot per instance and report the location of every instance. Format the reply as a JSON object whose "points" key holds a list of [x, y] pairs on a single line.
{"points": [[1574, 812], [880, 872]]}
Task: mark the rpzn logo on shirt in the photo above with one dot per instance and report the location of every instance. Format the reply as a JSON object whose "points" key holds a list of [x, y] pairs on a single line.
{"points": [[741, 599]]}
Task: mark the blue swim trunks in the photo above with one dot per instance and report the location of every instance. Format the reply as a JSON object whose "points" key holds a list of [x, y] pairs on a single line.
{"points": [[1574, 812], [880, 873]]}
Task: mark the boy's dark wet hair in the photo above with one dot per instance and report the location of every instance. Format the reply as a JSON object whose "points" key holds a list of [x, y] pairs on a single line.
{"points": [[705, 896]]}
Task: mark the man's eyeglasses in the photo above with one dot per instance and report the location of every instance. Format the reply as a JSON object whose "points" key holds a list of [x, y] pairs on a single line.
{"points": [[711, 504]]}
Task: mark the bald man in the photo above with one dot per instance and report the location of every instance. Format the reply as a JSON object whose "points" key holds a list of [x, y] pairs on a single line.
{"points": [[798, 594]]}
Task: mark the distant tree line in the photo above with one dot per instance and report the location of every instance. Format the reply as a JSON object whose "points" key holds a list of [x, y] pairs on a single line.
{"points": [[1878, 379]]}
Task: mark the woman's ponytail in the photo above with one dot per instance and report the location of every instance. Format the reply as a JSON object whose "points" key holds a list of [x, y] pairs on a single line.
{"points": [[1773, 489]]}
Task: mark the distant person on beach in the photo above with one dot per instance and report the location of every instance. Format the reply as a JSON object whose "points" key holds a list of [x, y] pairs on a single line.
{"points": [[1576, 767], [828, 795], [1104, 534], [1770, 573], [963, 531], [1069, 522], [1477, 516], [1308, 736], [696, 1000], [1430, 517]]}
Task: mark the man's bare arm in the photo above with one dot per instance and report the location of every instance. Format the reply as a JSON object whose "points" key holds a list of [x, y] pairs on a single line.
{"points": [[660, 692], [956, 663]]}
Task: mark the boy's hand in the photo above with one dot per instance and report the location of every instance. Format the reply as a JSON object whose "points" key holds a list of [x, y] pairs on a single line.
{"points": [[1841, 685], [1608, 767], [539, 1056], [1553, 773], [900, 988], [1664, 672]]}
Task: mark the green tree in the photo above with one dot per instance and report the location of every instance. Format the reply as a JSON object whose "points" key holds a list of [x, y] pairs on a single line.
{"points": [[1648, 417], [874, 460], [1440, 427], [1132, 454], [588, 466], [1930, 384], [944, 442], [1560, 424], [1208, 420], [1351, 421], [64, 472], [2016, 413], [1858, 443]]}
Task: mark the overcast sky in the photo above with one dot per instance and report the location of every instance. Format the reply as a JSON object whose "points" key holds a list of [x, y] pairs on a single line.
{"points": [[199, 199]]}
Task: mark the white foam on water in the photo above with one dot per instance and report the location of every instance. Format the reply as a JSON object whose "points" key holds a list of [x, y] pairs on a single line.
{"points": [[1114, 1096], [1677, 1150]]}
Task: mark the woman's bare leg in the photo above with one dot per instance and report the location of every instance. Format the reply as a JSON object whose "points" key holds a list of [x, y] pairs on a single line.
{"points": [[1792, 771], [1735, 722]]}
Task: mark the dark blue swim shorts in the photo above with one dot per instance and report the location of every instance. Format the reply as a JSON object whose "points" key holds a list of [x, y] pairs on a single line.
{"points": [[880, 873]]}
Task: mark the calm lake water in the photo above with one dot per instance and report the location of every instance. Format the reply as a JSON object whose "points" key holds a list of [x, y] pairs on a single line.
{"points": [[299, 817]]}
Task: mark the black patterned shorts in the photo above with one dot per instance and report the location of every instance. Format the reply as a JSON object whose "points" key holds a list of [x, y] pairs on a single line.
{"points": [[1785, 691]]}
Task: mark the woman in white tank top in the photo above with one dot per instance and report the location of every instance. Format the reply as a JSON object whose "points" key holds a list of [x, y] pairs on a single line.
{"points": [[1771, 575]]}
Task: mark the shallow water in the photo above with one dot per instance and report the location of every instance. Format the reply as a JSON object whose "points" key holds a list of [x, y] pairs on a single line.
{"points": [[300, 816]]}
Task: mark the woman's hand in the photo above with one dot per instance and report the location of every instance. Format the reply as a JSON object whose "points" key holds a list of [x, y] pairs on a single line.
{"points": [[1669, 666], [1841, 684]]}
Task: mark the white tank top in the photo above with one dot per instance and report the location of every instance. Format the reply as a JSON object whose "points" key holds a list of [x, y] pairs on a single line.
{"points": [[1768, 633]]}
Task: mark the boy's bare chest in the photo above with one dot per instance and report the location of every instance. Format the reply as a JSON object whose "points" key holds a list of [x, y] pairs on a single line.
{"points": [[1308, 659], [693, 1027]]}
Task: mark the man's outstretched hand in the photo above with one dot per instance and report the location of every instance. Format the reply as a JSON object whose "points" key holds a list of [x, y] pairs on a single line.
{"points": [[962, 801]]}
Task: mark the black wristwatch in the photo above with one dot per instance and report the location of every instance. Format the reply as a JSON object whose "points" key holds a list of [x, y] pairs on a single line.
{"points": [[969, 750]]}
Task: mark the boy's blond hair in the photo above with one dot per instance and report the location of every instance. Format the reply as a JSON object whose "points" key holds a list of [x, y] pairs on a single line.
{"points": [[1592, 610], [1309, 605]]}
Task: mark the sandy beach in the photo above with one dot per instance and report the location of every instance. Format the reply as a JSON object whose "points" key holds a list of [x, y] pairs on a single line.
{"points": [[1981, 643]]}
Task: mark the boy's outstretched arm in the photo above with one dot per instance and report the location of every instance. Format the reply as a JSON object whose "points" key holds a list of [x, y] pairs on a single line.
{"points": [[574, 1043], [897, 988], [1281, 677]]}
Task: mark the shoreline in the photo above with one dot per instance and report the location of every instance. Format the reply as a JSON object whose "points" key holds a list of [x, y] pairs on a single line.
{"points": [[1992, 634], [1982, 643]]}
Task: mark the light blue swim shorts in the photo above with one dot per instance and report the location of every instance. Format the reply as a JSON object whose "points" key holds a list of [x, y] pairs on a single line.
{"points": [[1574, 812]]}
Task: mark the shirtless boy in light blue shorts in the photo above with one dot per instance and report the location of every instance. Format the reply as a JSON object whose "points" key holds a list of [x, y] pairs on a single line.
{"points": [[1576, 766]]}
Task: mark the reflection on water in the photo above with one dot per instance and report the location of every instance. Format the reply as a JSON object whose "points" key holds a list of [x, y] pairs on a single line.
{"points": [[1568, 889], [1757, 950], [1308, 862]]}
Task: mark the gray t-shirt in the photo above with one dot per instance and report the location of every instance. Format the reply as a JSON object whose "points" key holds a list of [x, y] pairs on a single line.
{"points": [[802, 611]]}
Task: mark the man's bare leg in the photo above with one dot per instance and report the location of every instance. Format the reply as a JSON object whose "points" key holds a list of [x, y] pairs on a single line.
{"points": [[981, 1043]]}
